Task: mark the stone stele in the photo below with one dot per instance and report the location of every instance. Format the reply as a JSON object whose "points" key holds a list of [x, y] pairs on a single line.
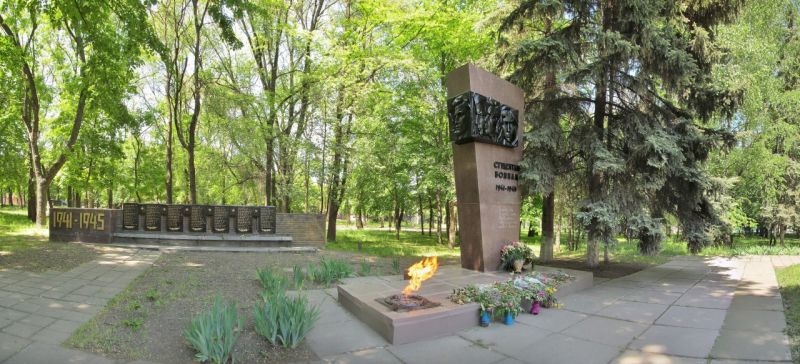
{"points": [[486, 175]]}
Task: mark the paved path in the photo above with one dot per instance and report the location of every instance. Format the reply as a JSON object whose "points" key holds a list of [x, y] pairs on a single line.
{"points": [[38, 311], [690, 310]]}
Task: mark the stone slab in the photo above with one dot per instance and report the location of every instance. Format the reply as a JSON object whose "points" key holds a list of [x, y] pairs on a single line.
{"points": [[561, 349], [752, 345], [369, 356], [680, 341], [700, 318], [450, 349], [755, 320], [606, 331], [638, 357]]}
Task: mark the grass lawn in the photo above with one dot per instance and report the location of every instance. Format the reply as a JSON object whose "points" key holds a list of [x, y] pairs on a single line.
{"points": [[24, 246], [789, 282]]}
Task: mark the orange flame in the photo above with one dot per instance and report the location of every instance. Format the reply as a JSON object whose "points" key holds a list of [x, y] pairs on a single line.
{"points": [[419, 272]]}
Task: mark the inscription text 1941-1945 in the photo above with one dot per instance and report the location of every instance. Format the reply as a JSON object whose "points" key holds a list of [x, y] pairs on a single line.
{"points": [[83, 220], [506, 171]]}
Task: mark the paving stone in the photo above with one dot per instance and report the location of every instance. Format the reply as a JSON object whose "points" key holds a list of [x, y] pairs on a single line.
{"points": [[653, 296], [64, 326], [673, 285], [369, 356], [587, 302], [508, 340], [560, 349], [606, 331], [701, 318], [326, 340], [748, 302], [50, 337], [752, 345], [87, 290], [12, 315], [634, 311], [755, 320], [448, 349], [21, 330], [733, 361], [705, 299], [10, 345], [37, 320], [553, 320], [509, 361], [638, 357], [43, 353], [680, 341]]}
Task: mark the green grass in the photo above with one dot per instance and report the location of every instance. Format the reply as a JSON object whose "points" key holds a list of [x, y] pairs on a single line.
{"points": [[789, 282], [384, 243], [17, 232]]}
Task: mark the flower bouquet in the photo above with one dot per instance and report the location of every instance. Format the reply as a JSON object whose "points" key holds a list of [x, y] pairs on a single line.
{"points": [[508, 304], [513, 256]]}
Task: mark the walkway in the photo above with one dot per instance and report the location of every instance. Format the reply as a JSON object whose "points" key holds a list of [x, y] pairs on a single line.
{"points": [[690, 310], [38, 311]]}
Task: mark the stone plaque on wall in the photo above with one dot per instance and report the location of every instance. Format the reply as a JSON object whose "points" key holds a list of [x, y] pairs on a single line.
{"points": [[266, 219], [175, 218], [152, 217], [197, 218], [244, 219], [219, 218], [130, 216]]}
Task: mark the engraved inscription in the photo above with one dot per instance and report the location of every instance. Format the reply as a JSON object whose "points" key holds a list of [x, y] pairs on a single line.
{"points": [[130, 216], [152, 217], [197, 218], [266, 219], [220, 219], [507, 218], [244, 219], [174, 218]]}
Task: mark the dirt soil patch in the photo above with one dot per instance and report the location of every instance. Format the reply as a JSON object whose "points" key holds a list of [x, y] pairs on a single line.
{"points": [[45, 255], [147, 320], [610, 270]]}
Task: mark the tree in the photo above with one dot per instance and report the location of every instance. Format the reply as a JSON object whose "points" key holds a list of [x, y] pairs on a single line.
{"points": [[636, 79], [98, 47]]}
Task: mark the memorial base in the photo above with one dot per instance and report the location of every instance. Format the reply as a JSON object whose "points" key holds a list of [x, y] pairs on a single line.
{"points": [[222, 240]]}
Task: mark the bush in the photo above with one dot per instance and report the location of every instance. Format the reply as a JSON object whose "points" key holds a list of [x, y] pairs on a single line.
{"points": [[330, 271], [271, 281], [284, 320], [298, 276], [213, 333]]}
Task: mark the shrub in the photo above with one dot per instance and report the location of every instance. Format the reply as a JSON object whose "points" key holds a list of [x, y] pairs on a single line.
{"points": [[213, 333], [396, 265], [330, 271], [366, 268], [271, 281], [284, 320], [298, 276]]}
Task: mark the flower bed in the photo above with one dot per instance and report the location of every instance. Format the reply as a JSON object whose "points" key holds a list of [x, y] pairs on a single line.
{"points": [[509, 298]]}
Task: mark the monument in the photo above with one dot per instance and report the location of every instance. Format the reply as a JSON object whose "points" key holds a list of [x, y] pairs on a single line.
{"points": [[485, 114]]}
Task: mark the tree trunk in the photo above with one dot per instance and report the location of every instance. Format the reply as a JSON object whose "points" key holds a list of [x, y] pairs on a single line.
{"points": [[421, 214], [10, 197], [169, 178], [548, 220], [439, 216], [360, 219], [41, 202], [557, 242], [110, 198], [452, 219], [31, 193], [430, 215]]}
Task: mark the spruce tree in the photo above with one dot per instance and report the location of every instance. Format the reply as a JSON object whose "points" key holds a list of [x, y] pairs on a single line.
{"points": [[633, 78]]}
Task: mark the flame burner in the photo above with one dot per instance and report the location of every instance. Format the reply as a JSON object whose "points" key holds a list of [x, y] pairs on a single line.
{"points": [[401, 303]]}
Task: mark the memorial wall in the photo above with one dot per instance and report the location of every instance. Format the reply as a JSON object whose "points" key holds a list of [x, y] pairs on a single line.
{"points": [[196, 223]]}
